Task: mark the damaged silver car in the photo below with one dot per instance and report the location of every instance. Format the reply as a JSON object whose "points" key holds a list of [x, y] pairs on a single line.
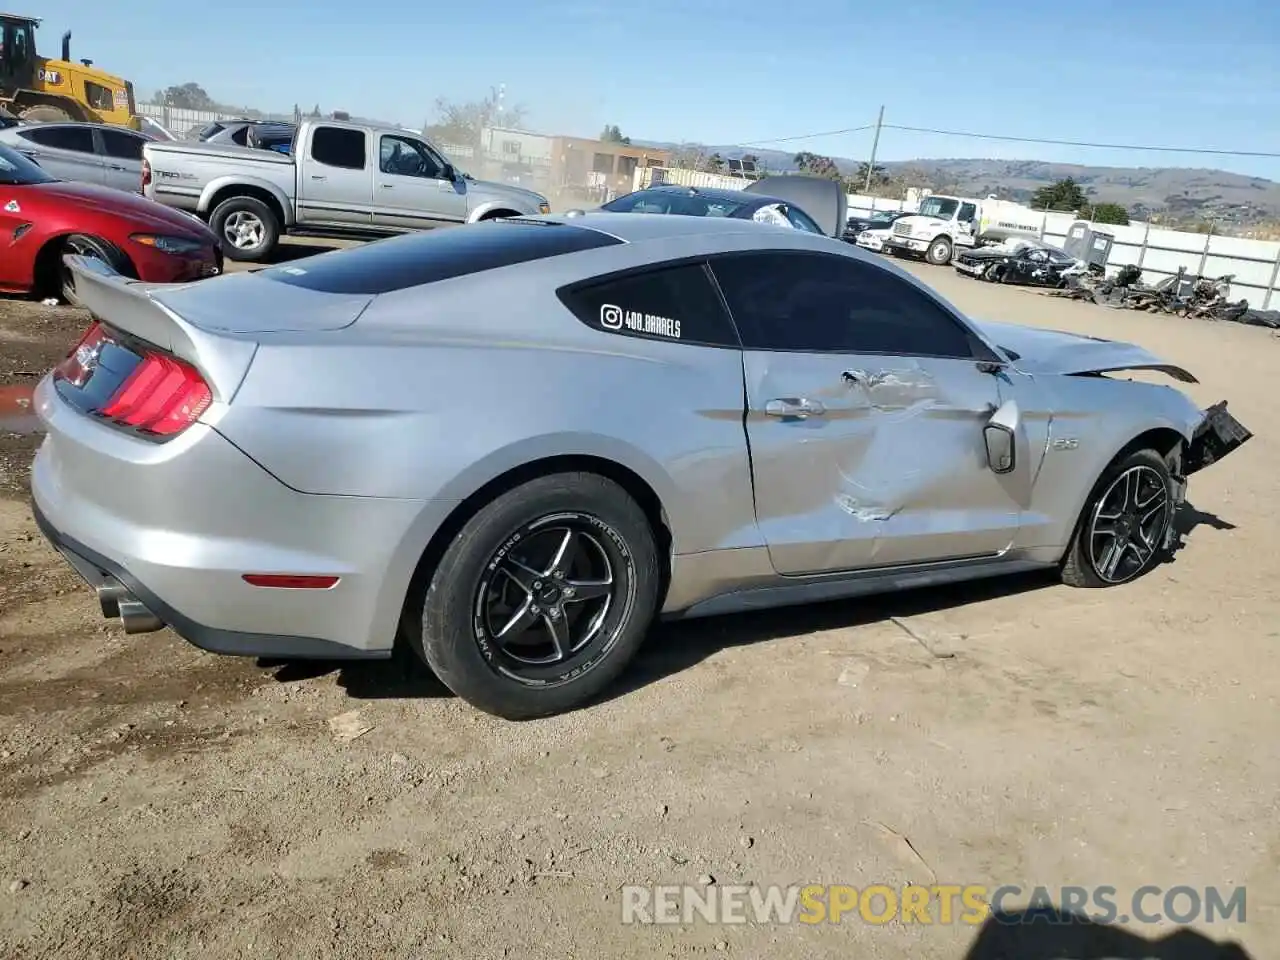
{"points": [[511, 447]]}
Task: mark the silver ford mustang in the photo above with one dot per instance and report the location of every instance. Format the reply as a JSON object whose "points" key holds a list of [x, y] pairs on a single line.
{"points": [[511, 446]]}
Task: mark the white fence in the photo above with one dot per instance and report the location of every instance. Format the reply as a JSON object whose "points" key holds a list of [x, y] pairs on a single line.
{"points": [[1255, 263]]}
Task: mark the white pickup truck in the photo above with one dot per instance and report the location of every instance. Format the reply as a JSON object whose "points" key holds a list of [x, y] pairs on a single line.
{"points": [[944, 223], [339, 179]]}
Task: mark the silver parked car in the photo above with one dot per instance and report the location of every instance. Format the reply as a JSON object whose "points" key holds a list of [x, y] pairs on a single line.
{"points": [[513, 445], [88, 152]]}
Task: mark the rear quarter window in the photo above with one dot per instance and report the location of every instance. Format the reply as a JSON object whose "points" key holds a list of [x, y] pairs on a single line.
{"points": [[677, 303]]}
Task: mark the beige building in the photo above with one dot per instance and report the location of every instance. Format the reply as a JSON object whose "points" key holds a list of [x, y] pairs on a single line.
{"points": [[596, 170]]}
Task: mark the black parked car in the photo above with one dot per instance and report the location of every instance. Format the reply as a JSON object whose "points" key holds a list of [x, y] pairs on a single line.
{"points": [[1033, 265], [812, 204], [877, 220]]}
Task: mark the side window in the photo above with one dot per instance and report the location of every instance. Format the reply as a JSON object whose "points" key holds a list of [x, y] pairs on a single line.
{"points": [[801, 221], [241, 136], [669, 303], [121, 145], [771, 214], [406, 157], [338, 147], [967, 212], [98, 96], [814, 303], [77, 139]]}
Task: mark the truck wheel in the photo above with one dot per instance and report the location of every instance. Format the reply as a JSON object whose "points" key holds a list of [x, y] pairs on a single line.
{"points": [[939, 252], [45, 114], [246, 227]]}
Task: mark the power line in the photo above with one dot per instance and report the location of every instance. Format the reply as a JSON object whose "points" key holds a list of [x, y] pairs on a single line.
{"points": [[1084, 143], [804, 136], [1204, 151]]}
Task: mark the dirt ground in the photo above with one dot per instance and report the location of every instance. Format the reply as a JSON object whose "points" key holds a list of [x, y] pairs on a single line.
{"points": [[156, 801]]}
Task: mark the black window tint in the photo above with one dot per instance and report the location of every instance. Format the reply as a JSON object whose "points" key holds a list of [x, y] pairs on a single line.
{"points": [[670, 303], [79, 139], [121, 145], [338, 147], [419, 258], [813, 303], [240, 136]]}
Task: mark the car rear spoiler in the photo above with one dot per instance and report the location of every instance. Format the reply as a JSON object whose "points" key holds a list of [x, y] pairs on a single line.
{"points": [[127, 305]]}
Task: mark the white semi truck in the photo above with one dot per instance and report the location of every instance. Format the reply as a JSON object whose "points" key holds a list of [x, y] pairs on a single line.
{"points": [[944, 223]]}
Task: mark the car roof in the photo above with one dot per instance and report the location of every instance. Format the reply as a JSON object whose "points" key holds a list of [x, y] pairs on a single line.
{"points": [[640, 227], [714, 193], [73, 125]]}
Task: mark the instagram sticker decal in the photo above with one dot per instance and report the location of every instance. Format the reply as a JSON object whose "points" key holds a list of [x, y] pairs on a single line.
{"points": [[610, 317]]}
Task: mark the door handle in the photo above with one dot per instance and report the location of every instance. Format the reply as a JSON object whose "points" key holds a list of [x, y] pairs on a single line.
{"points": [[316, 176], [387, 186], [799, 407], [114, 167]]}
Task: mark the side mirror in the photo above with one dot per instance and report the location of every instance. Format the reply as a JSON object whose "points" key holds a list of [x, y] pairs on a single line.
{"points": [[1000, 447]]}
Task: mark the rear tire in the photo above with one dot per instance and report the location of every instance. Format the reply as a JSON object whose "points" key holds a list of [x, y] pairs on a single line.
{"points": [[1132, 488], [247, 229], [517, 631], [44, 113], [84, 245]]}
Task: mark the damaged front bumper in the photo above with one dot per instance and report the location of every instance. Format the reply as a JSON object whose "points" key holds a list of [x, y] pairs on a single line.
{"points": [[1217, 435]]}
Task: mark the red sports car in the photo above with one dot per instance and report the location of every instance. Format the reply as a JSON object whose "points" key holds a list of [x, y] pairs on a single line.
{"points": [[43, 219]]}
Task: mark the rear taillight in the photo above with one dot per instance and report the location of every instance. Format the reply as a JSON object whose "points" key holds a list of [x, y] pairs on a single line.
{"points": [[163, 396], [79, 363], [146, 173], [160, 396]]}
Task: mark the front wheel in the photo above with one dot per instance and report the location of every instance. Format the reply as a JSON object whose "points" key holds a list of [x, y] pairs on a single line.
{"points": [[543, 597], [94, 248], [939, 252], [1123, 529]]}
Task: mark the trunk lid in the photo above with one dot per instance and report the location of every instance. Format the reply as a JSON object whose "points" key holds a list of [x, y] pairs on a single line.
{"points": [[245, 304]]}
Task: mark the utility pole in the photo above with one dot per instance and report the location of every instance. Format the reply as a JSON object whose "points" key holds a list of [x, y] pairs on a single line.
{"points": [[875, 142]]}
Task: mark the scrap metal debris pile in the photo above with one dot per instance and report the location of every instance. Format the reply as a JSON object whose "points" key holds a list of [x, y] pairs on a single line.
{"points": [[1181, 295]]}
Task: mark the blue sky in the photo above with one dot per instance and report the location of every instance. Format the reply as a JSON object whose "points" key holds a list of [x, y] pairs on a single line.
{"points": [[1145, 71]]}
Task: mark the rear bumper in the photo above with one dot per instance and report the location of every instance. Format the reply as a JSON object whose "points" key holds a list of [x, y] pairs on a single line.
{"points": [[111, 580], [178, 525]]}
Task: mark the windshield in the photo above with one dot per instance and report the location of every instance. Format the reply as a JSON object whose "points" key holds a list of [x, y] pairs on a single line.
{"points": [[17, 170], [942, 207], [683, 204]]}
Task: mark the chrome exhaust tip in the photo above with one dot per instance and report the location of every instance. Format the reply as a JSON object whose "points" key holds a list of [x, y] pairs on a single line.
{"points": [[109, 597], [136, 617]]}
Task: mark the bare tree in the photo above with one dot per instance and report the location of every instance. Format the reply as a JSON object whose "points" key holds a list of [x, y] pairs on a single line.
{"points": [[462, 123]]}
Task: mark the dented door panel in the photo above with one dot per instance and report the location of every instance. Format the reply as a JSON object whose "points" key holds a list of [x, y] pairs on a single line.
{"points": [[891, 470]]}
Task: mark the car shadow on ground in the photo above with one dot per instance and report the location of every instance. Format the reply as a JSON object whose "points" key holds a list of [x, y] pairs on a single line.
{"points": [[1050, 933], [675, 646]]}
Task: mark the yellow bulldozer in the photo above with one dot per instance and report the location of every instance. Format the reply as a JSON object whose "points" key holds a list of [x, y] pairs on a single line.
{"points": [[40, 90]]}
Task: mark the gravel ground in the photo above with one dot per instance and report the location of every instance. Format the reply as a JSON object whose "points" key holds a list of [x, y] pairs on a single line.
{"points": [[156, 801]]}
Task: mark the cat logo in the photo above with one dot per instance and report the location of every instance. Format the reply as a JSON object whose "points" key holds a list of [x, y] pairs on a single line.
{"points": [[52, 77]]}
